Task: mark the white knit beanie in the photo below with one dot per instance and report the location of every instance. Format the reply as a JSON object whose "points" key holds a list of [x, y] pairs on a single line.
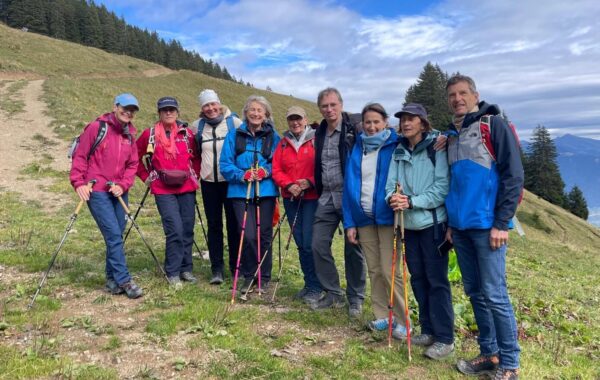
{"points": [[208, 96]]}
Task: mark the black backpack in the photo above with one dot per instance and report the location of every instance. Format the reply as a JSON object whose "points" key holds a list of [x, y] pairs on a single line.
{"points": [[267, 143], [99, 138]]}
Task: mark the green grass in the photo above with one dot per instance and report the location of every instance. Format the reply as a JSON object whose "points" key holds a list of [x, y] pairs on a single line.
{"points": [[8, 103]]}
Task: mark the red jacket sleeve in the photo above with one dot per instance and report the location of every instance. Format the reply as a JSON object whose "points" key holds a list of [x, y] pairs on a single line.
{"points": [[142, 146], [279, 176], [196, 159]]}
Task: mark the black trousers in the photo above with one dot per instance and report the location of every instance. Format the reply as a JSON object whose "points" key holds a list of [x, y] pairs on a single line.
{"points": [[214, 198]]}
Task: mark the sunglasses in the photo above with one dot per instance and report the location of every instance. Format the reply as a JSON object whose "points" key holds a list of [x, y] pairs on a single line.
{"points": [[168, 109]]}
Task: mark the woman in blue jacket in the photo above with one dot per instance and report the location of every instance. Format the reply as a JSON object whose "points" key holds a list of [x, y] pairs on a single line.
{"points": [[368, 220], [424, 178], [245, 160]]}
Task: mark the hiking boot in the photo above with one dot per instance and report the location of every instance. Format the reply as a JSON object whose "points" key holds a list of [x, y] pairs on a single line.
{"points": [[175, 282], [355, 310], [188, 277], [132, 290], [381, 324], [112, 287], [264, 286], [422, 340], [247, 286], [216, 279], [301, 294], [399, 332], [507, 374], [439, 351], [481, 365], [329, 300], [312, 296]]}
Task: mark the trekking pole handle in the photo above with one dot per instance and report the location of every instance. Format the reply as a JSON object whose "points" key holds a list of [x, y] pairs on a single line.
{"points": [[111, 184], [90, 184]]}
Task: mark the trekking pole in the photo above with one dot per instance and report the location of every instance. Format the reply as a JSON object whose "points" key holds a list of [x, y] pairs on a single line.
{"points": [[394, 258], [404, 278], [239, 256], [257, 203], [137, 212], [62, 241], [201, 222], [244, 297], [287, 246], [137, 227]]}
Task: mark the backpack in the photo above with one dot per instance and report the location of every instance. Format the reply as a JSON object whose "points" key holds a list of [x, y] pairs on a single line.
{"points": [[99, 138], [202, 123], [266, 148]]}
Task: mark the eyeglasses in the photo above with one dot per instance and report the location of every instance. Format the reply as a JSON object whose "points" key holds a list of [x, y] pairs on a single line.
{"points": [[168, 109], [129, 110]]}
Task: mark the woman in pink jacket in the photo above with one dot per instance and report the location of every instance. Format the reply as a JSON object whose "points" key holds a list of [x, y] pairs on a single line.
{"points": [[107, 153], [168, 165]]}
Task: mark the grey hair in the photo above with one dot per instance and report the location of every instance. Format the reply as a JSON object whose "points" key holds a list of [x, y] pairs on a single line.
{"points": [[328, 91], [260, 100], [456, 78]]}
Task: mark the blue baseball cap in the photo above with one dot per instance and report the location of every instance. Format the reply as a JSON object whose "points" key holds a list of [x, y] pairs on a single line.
{"points": [[167, 101], [127, 100]]}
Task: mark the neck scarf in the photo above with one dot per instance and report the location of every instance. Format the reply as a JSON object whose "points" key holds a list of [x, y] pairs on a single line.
{"points": [[167, 143], [215, 121], [371, 143], [458, 120]]}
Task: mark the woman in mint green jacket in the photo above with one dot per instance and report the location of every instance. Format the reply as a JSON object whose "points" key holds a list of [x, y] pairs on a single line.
{"points": [[424, 179]]}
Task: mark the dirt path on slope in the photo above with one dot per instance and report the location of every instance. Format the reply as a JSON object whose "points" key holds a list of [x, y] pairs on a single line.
{"points": [[25, 139]]}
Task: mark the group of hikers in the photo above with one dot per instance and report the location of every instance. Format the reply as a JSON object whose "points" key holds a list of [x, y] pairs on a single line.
{"points": [[461, 187]]}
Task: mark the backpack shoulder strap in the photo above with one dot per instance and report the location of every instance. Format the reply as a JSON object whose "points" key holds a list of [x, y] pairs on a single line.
{"points": [[485, 129], [151, 141], [230, 123], [240, 142], [99, 137], [431, 152], [267, 145]]}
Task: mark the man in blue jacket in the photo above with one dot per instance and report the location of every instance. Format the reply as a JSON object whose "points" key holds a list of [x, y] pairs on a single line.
{"points": [[485, 186], [334, 139]]}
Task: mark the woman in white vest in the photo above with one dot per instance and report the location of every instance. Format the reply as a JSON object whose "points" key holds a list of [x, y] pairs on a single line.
{"points": [[211, 128]]}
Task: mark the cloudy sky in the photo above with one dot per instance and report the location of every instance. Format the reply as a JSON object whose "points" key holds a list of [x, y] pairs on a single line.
{"points": [[540, 61]]}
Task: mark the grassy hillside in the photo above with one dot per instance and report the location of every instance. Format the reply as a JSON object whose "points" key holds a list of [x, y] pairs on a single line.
{"points": [[77, 331]]}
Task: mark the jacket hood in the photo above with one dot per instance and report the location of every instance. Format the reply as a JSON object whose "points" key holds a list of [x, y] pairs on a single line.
{"points": [[310, 134], [484, 109], [427, 139]]}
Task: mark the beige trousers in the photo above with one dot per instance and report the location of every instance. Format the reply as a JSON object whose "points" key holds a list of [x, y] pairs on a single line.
{"points": [[377, 245]]}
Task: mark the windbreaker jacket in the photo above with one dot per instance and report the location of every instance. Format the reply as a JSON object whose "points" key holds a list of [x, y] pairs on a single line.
{"points": [[290, 165], [353, 213], [115, 158], [186, 159], [347, 138], [484, 192], [212, 144], [234, 166], [426, 184]]}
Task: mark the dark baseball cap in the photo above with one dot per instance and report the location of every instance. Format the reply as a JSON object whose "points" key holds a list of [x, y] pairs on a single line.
{"points": [[167, 101], [414, 109]]}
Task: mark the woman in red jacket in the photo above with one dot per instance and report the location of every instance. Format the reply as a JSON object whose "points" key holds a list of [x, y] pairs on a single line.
{"points": [[293, 171], [169, 166]]}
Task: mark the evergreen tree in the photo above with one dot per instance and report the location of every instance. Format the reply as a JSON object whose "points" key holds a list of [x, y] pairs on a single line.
{"points": [[56, 19], [108, 28], [542, 176], [28, 13], [91, 30], [577, 204], [4, 4], [430, 91], [72, 12]]}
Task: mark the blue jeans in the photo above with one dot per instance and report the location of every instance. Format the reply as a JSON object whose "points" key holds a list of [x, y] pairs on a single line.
{"points": [[177, 213], [484, 279], [303, 237], [110, 218]]}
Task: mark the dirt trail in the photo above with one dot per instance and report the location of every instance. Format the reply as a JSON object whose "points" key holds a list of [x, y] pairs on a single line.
{"points": [[19, 148]]}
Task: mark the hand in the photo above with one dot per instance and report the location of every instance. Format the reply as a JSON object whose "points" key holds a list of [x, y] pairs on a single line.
{"points": [[440, 143], [116, 190], [260, 174], [84, 192], [399, 202], [249, 175], [295, 190], [498, 238], [148, 181], [304, 184], [351, 234], [449, 235]]}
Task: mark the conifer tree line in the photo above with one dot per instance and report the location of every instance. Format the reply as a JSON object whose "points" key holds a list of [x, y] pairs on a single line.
{"points": [[86, 23], [542, 175]]}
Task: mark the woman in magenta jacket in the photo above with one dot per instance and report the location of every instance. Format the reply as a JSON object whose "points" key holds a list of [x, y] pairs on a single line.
{"points": [[168, 165], [294, 171]]}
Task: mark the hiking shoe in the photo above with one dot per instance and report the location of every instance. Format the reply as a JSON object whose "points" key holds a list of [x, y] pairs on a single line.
{"points": [[216, 279], [422, 340], [399, 332], [301, 294], [481, 365], [381, 324], [112, 287], [188, 277], [312, 296], [132, 290], [247, 286], [439, 351], [355, 310], [507, 374], [175, 282], [264, 286], [328, 301]]}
